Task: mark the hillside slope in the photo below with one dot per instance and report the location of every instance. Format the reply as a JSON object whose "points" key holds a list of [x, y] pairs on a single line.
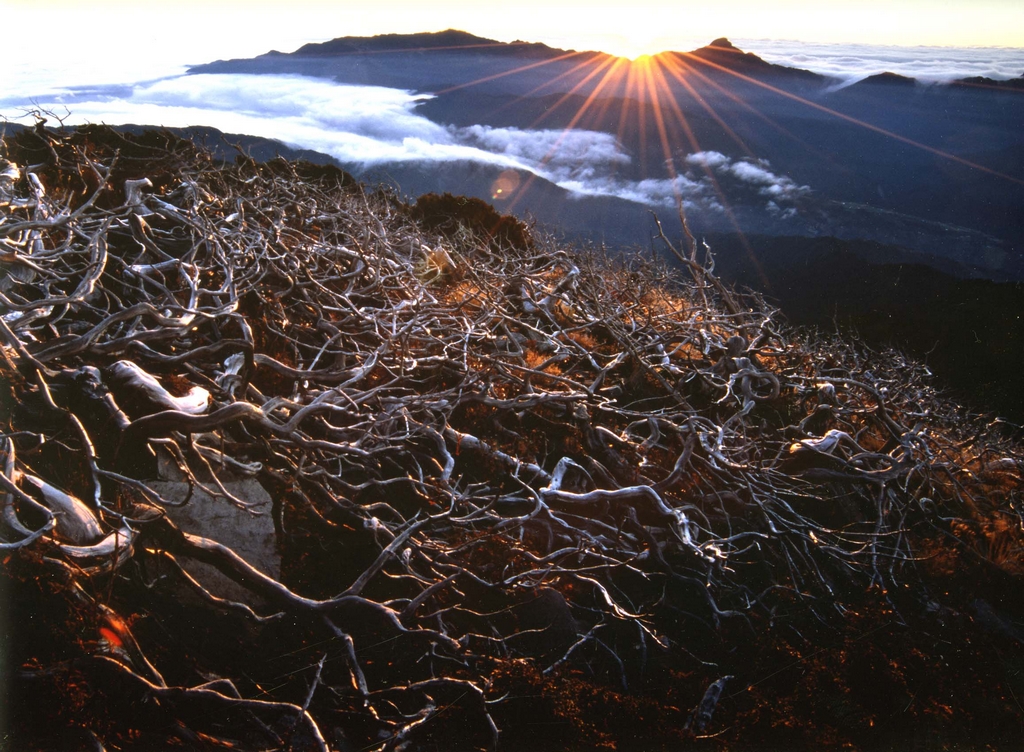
{"points": [[968, 331], [516, 496]]}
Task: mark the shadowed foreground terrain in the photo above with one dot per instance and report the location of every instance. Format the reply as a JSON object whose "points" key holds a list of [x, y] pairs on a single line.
{"points": [[970, 332], [518, 497]]}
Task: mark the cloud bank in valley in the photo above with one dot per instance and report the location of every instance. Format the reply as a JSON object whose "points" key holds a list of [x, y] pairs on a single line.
{"points": [[366, 126], [360, 125], [781, 193], [706, 182]]}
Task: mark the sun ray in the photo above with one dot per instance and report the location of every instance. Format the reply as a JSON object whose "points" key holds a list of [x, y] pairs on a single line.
{"points": [[855, 121], [659, 121], [550, 82], [656, 79], [612, 62], [611, 74], [629, 88], [666, 64], [642, 122], [606, 104], [513, 71], [677, 61]]}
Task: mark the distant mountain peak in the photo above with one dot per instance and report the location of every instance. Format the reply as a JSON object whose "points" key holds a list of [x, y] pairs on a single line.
{"points": [[448, 37], [396, 43], [722, 53], [888, 78]]}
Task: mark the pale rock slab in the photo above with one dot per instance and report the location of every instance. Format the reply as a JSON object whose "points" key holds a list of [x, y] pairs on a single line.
{"points": [[249, 532]]}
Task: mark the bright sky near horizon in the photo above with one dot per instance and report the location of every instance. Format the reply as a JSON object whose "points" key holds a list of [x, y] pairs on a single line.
{"points": [[197, 31]]}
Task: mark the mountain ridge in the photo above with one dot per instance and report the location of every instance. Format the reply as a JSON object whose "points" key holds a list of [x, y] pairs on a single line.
{"points": [[450, 39], [720, 52], [724, 54]]}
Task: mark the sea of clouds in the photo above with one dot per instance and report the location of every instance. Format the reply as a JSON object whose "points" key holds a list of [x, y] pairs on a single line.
{"points": [[852, 62]]}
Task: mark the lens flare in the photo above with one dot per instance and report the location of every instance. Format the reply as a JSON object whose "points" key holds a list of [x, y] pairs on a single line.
{"points": [[505, 185]]}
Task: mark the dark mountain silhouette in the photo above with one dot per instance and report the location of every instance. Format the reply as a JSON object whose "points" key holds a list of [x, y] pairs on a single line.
{"points": [[722, 52], [887, 79], [985, 82], [968, 331], [393, 42], [450, 39]]}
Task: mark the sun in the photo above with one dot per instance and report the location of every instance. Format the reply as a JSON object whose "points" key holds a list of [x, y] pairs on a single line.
{"points": [[628, 45]]}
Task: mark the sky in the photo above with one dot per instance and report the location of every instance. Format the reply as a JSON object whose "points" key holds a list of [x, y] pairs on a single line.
{"points": [[90, 42], [144, 33]]}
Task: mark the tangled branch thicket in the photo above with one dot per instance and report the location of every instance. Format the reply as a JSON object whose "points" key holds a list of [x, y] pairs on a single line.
{"points": [[525, 497]]}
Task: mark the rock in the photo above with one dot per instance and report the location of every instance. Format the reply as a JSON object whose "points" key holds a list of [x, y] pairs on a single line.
{"points": [[249, 533]]}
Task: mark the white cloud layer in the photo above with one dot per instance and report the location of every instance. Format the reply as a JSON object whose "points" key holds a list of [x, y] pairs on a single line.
{"points": [[369, 125], [852, 62], [780, 191]]}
